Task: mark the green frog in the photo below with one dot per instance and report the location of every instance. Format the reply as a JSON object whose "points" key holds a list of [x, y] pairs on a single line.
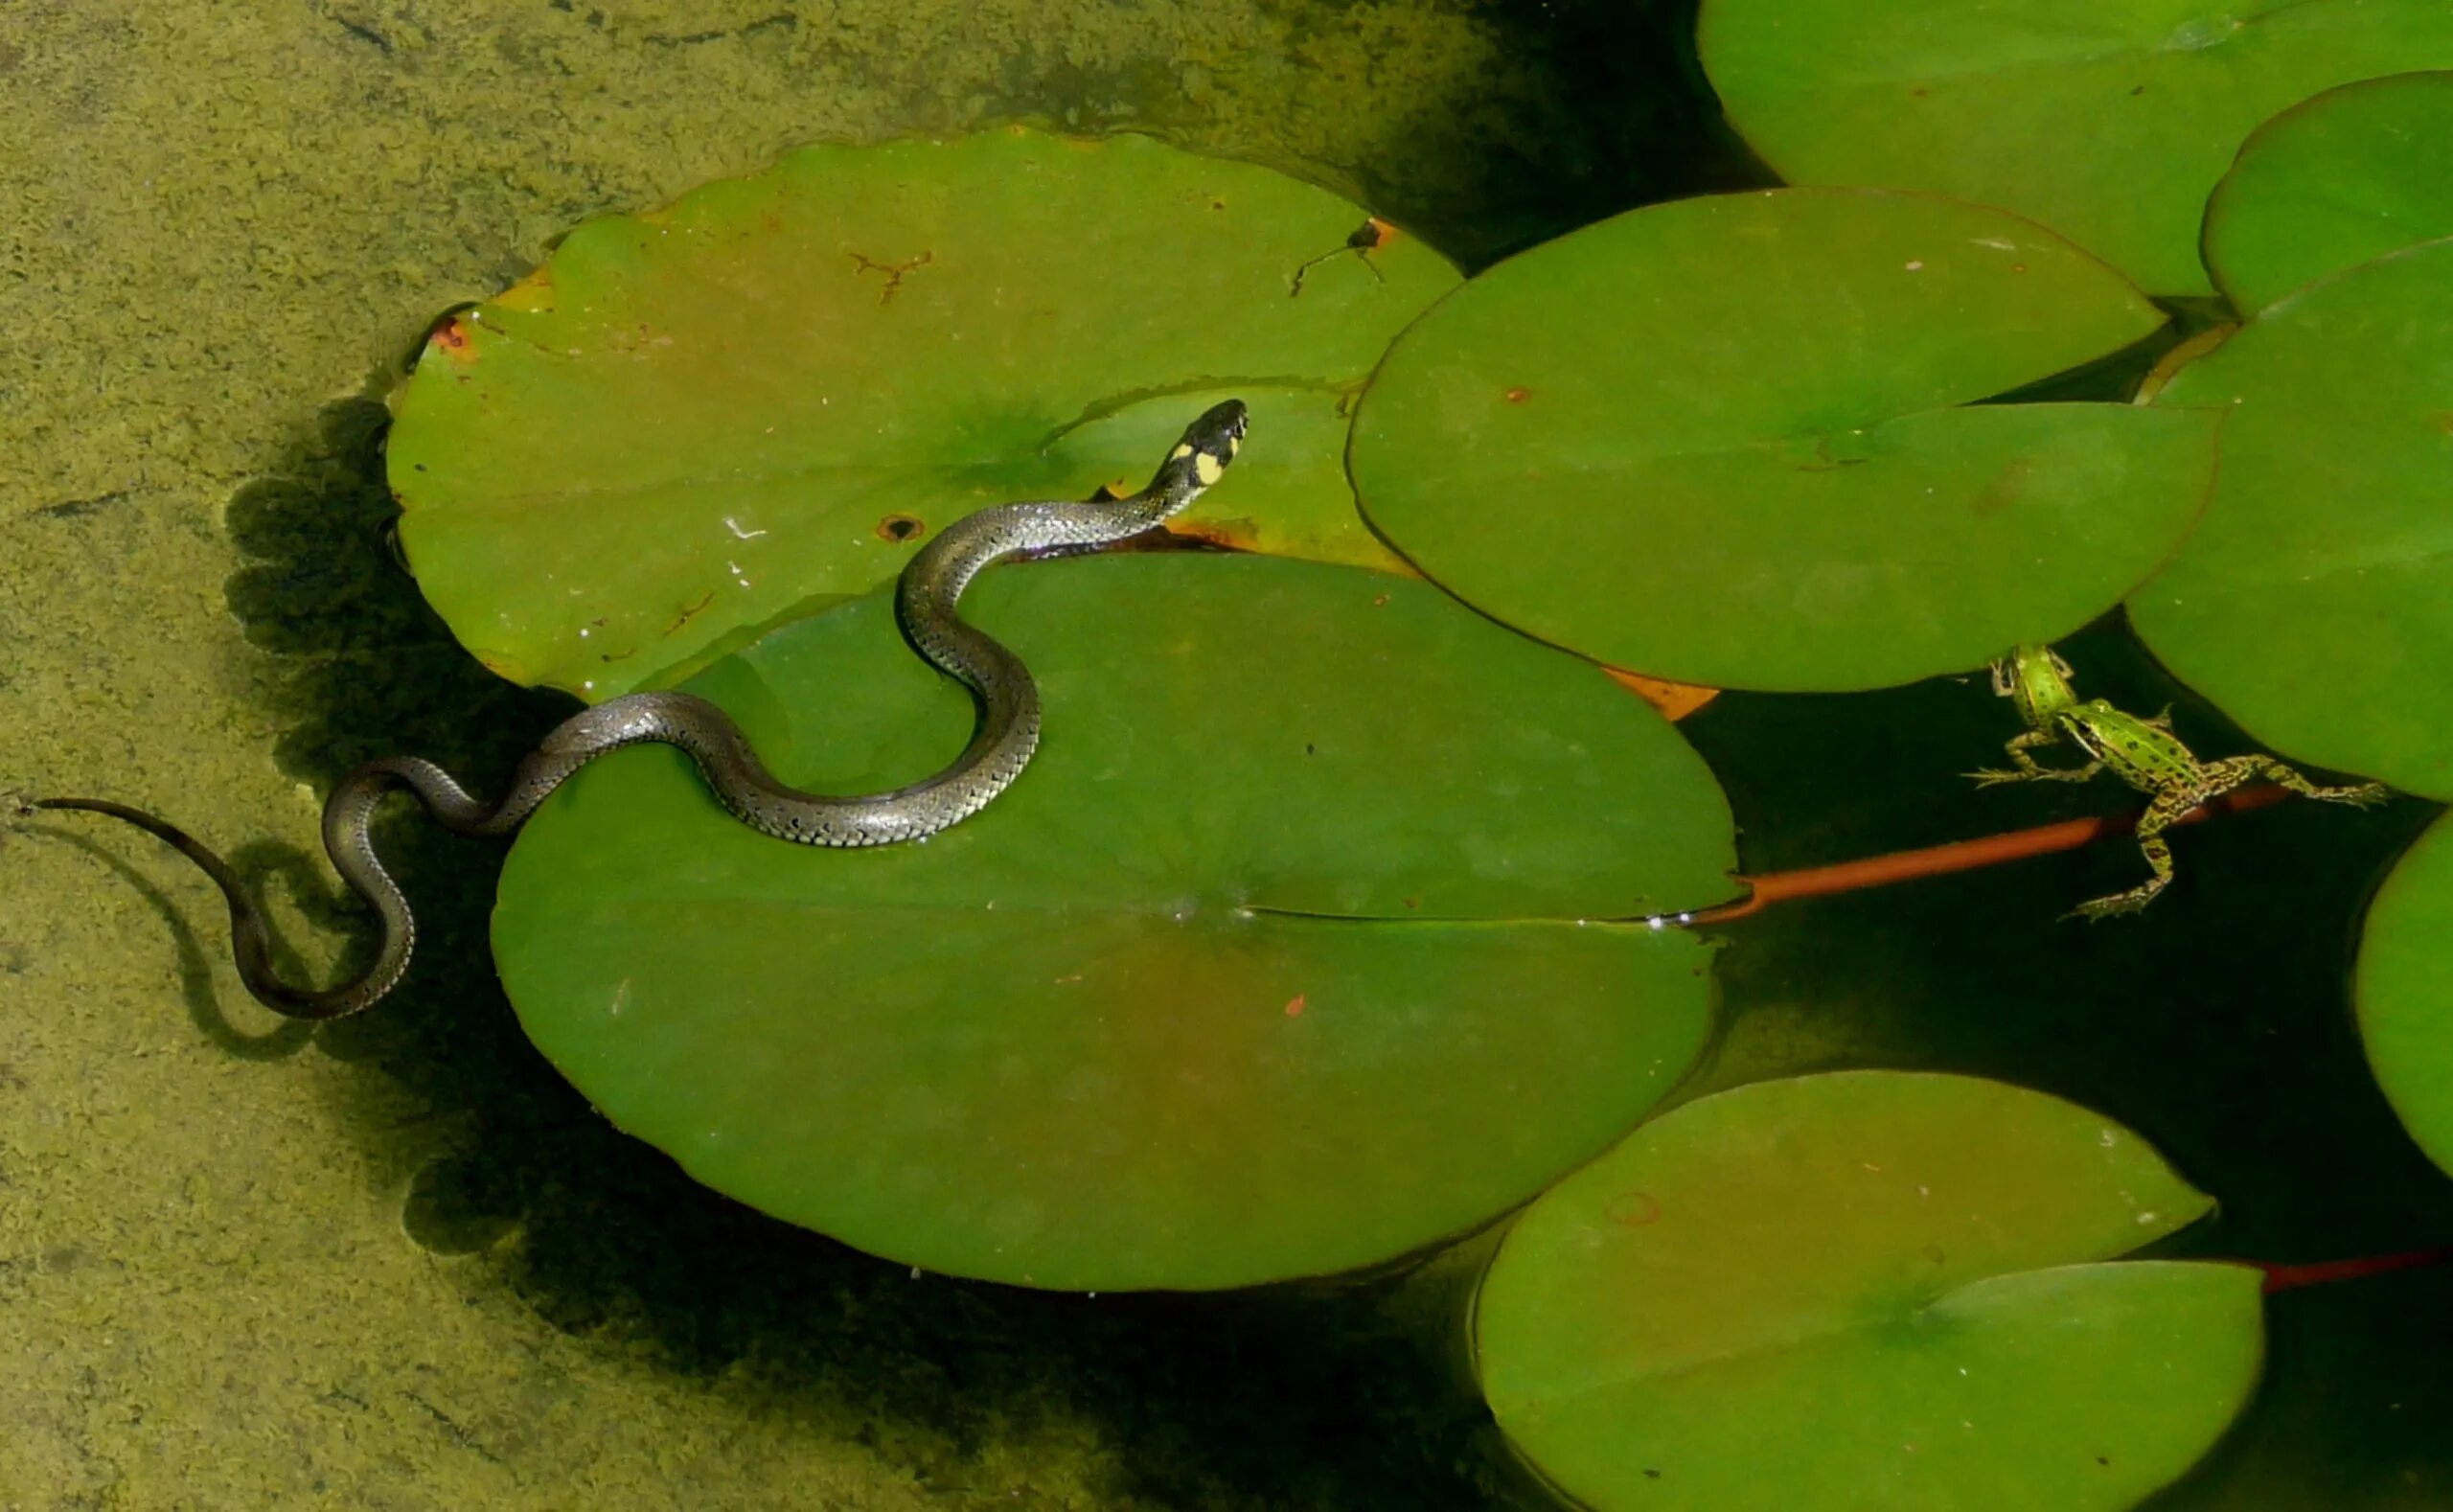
{"points": [[2141, 752]]}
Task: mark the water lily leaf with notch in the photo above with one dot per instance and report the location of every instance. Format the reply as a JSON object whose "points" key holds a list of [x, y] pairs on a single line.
{"points": [[2353, 175], [697, 421], [2144, 103], [1873, 1287], [1298, 503], [2403, 988], [1270, 965], [2315, 602], [1732, 441]]}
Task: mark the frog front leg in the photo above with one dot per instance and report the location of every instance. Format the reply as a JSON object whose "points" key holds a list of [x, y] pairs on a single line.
{"points": [[2028, 768], [2210, 780]]}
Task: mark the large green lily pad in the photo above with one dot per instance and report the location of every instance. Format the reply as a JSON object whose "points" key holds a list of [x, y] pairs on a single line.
{"points": [[1731, 440], [2353, 175], [2404, 990], [1272, 963], [2109, 121], [2315, 602], [1865, 1289], [691, 422]]}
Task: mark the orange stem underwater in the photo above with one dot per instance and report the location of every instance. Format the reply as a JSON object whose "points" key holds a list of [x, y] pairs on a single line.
{"points": [[2290, 1278], [1959, 856]]}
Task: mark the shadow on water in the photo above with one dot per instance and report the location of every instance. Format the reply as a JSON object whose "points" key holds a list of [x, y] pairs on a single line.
{"points": [[1625, 118], [1264, 1399], [196, 982]]}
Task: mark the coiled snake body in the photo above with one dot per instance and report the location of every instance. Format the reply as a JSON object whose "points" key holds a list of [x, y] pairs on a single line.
{"points": [[932, 583]]}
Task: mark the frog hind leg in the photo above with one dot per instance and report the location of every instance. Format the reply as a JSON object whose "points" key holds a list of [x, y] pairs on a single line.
{"points": [[2358, 796], [2215, 778], [2028, 768]]}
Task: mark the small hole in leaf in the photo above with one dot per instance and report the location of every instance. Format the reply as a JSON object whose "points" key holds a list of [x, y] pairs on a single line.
{"points": [[900, 528]]}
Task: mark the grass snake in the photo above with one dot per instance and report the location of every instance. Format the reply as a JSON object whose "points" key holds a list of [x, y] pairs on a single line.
{"points": [[1001, 745]]}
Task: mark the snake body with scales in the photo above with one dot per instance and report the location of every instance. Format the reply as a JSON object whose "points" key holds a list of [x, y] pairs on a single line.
{"points": [[931, 585]]}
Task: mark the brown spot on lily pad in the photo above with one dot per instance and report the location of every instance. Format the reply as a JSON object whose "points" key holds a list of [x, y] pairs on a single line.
{"points": [[1674, 700], [1634, 1209], [452, 338]]}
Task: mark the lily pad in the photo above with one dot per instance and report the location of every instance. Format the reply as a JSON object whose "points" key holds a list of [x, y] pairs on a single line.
{"points": [[2353, 175], [1299, 504], [2315, 602], [1732, 440], [2404, 990], [1865, 1289], [692, 423], [2109, 121], [1273, 963]]}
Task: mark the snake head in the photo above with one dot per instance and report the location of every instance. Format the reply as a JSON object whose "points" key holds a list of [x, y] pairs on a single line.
{"points": [[1199, 458], [1219, 430]]}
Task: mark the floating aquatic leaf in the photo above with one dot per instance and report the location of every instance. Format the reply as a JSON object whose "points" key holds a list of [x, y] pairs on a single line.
{"points": [[692, 423], [1731, 440], [1272, 963], [2315, 602], [1869, 1288], [2353, 175], [2404, 988], [2109, 121]]}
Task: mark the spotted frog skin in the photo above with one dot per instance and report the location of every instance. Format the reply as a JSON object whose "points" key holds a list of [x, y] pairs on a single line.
{"points": [[2141, 752]]}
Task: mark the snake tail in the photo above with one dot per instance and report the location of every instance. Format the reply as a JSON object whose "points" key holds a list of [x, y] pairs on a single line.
{"points": [[250, 942]]}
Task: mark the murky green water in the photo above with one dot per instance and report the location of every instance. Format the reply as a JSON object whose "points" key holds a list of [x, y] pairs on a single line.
{"points": [[396, 1263]]}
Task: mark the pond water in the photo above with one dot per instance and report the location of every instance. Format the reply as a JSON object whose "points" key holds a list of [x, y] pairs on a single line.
{"points": [[396, 1262]]}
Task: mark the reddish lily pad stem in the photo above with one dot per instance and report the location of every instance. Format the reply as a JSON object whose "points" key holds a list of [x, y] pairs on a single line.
{"points": [[2281, 1278], [1959, 856]]}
